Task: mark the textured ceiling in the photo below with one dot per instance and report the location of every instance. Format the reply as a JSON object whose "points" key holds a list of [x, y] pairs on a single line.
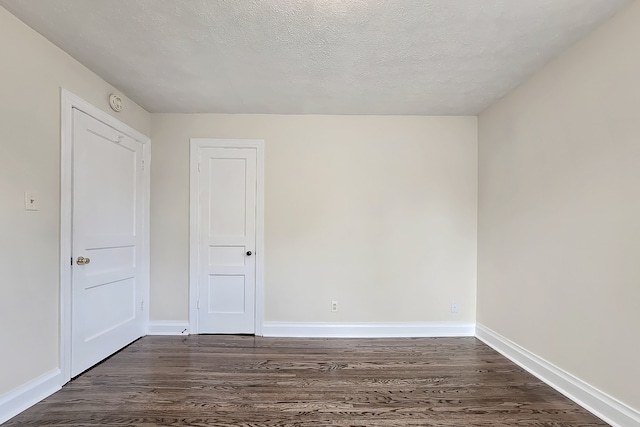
{"points": [[443, 57]]}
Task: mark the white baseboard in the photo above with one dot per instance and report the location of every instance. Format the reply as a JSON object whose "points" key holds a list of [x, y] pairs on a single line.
{"points": [[598, 403], [368, 330], [168, 327], [28, 394]]}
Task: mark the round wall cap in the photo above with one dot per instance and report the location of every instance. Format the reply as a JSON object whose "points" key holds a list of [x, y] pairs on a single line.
{"points": [[115, 102]]}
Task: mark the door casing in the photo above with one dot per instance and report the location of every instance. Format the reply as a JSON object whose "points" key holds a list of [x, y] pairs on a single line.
{"points": [[69, 101], [194, 227]]}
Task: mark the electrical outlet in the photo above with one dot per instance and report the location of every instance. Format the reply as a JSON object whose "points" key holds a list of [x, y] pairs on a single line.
{"points": [[454, 307], [334, 306]]}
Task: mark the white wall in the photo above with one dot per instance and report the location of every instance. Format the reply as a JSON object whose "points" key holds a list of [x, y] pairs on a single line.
{"points": [[559, 211], [32, 71], [378, 213]]}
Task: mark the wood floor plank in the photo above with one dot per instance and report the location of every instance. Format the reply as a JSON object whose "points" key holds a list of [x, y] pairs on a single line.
{"points": [[210, 380]]}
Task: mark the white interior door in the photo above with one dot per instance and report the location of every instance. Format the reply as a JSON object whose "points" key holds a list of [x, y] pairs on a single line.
{"points": [[227, 240], [107, 241]]}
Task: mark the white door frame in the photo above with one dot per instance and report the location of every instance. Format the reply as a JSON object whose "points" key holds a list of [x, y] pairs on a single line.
{"points": [[194, 224], [69, 101]]}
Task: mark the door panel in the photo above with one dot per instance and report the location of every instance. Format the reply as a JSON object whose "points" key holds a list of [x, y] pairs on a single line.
{"points": [[227, 197], [226, 294], [107, 229], [230, 256], [227, 218], [103, 305]]}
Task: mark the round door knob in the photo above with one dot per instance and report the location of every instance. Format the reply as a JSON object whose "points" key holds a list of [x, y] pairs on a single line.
{"points": [[82, 260], [249, 253]]}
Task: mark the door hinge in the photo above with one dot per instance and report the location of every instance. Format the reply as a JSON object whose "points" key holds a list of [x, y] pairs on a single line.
{"points": [[198, 166], [198, 304], [141, 305], [143, 165]]}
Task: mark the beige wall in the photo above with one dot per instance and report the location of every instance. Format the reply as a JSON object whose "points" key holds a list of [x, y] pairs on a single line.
{"points": [[378, 213], [559, 211], [31, 73]]}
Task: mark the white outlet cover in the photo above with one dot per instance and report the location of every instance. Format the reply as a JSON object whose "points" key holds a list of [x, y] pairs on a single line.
{"points": [[454, 307], [31, 201]]}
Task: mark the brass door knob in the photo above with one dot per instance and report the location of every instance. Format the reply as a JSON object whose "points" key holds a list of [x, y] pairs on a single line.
{"points": [[82, 260]]}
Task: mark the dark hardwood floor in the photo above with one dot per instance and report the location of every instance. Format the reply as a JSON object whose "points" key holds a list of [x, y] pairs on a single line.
{"points": [[245, 381]]}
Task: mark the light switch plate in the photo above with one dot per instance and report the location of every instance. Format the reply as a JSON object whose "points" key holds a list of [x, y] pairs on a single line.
{"points": [[30, 201]]}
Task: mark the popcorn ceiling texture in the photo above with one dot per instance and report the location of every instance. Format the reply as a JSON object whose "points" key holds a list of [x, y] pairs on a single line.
{"points": [[434, 57]]}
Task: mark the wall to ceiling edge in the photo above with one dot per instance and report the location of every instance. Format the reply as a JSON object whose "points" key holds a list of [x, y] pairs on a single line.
{"points": [[559, 203], [360, 221], [377, 213], [557, 198], [32, 72]]}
